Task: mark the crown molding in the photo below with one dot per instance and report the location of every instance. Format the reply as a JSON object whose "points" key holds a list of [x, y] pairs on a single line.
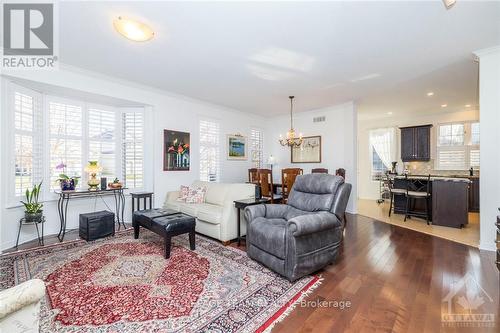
{"points": [[487, 51]]}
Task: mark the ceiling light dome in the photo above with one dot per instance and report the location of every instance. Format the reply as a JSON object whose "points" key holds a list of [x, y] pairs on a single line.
{"points": [[133, 30]]}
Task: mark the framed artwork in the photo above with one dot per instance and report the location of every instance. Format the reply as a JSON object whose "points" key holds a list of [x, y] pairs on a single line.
{"points": [[236, 147], [308, 152], [176, 149]]}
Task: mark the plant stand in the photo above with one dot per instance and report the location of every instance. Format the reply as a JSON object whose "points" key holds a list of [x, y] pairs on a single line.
{"points": [[36, 223]]}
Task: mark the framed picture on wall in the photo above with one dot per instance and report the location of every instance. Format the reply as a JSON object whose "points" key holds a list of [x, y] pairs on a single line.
{"points": [[236, 147], [308, 152], [176, 150]]}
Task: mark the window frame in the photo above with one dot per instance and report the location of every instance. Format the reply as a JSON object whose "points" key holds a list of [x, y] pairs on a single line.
{"points": [[37, 135], [467, 147], [217, 146], [393, 153], [260, 147], [42, 134]]}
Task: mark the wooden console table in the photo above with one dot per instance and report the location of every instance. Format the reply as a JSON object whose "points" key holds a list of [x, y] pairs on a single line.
{"points": [[65, 196]]}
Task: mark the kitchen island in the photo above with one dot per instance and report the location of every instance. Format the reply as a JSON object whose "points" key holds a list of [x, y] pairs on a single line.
{"points": [[449, 197]]}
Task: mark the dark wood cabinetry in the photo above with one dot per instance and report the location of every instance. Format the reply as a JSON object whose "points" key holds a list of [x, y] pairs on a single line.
{"points": [[450, 201], [474, 194], [416, 143]]}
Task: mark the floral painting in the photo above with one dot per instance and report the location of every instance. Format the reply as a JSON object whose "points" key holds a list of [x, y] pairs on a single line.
{"points": [[176, 149], [236, 147]]}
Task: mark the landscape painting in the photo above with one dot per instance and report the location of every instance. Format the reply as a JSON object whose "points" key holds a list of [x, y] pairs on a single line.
{"points": [[176, 149], [236, 147]]}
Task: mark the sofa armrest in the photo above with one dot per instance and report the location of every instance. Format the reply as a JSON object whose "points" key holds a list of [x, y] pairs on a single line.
{"points": [[20, 296], [171, 196], [311, 223]]}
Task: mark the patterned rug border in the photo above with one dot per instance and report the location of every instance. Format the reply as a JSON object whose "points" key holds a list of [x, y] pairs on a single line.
{"points": [[266, 327]]}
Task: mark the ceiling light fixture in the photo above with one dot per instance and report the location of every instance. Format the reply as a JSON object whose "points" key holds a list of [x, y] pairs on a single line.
{"points": [[467, 105], [430, 93], [133, 30], [444, 105], [291, 140], [449, 3]]}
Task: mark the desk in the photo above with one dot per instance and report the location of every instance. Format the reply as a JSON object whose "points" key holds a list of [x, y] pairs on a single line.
{"points": [[65, 196]]}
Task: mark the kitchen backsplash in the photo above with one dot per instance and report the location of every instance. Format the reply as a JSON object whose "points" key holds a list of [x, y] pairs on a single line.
{"points": [[424, 168]]}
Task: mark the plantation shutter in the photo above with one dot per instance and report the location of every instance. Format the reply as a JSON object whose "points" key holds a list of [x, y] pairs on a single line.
{"points": [[133, 151], [256, 144], [209, 151], [65, 140], [102, 134], [28, 165]]}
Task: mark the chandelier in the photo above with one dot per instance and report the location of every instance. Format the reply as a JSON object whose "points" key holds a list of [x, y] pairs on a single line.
{"points": [[291, 140]]}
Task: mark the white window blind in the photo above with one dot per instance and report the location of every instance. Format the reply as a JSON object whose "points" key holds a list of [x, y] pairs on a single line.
{"points": [[27, 139], [65, 140], [101, 129], [457, 146], [256, 144], [133, 154], [209, 151]]}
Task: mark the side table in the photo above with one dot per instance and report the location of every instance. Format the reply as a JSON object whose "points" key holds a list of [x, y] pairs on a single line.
{"points": [[242, 204], [136, 198], [40, 236]]}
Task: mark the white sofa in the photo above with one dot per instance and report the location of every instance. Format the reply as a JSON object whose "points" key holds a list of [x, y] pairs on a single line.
{"points": [[216, 217], [20, 307]]}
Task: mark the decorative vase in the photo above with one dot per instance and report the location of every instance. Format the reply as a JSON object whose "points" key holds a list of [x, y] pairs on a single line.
{"points": [[67, 184]]}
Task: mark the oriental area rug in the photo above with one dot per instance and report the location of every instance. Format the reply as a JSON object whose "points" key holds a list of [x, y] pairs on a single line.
{"points": [[120, 284]]}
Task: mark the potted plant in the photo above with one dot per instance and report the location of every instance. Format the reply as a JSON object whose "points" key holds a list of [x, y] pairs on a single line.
{"points": [[115, 184], [33, 209], [67, 183]]}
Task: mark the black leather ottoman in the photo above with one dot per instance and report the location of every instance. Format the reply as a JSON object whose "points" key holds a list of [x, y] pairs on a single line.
{"points": [[166, 223]]}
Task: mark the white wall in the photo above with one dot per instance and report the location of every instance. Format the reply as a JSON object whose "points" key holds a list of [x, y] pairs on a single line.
{"points": [[369, 189], [338, 135], [165, 111], [489, 100]]}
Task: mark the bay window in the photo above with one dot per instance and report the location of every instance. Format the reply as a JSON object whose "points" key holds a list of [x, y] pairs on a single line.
{"points": [[52, 135]]}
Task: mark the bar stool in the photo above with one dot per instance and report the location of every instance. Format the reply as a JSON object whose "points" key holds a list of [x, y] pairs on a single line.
{"points": [[136, 198], [413, 195], [395, 191]]}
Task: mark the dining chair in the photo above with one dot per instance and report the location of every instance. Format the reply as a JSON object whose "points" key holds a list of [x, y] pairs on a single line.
{"points": [[265, 181], [288, 176], [340, 172], [319, 170], [252, 175]]}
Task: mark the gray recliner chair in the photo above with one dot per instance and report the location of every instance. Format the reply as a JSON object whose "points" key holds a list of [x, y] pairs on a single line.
{"points": [[304, 235]]}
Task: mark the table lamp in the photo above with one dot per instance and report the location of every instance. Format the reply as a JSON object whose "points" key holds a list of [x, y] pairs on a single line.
{"points": [[93, 169]]}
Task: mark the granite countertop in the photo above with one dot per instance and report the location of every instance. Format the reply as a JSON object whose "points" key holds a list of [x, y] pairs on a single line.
{"points": [[457, 178]]}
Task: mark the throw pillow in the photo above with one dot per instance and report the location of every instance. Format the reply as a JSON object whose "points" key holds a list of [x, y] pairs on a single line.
{"points": [[196, 195], [183, 194]]}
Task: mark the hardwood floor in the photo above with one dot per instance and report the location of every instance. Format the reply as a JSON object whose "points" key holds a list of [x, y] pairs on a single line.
{"points": [[395, 280], [468, 235]]}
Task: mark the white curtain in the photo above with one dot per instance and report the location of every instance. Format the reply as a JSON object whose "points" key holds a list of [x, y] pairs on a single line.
{"points": [[383, 142]]}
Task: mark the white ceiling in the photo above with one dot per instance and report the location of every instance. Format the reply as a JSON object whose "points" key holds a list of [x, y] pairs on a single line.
{"points": [[251, 55]]}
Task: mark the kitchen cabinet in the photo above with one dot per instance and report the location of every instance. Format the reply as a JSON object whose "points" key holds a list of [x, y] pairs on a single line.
{"points": [[450, 202], [474, 194], [416, 143]]}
